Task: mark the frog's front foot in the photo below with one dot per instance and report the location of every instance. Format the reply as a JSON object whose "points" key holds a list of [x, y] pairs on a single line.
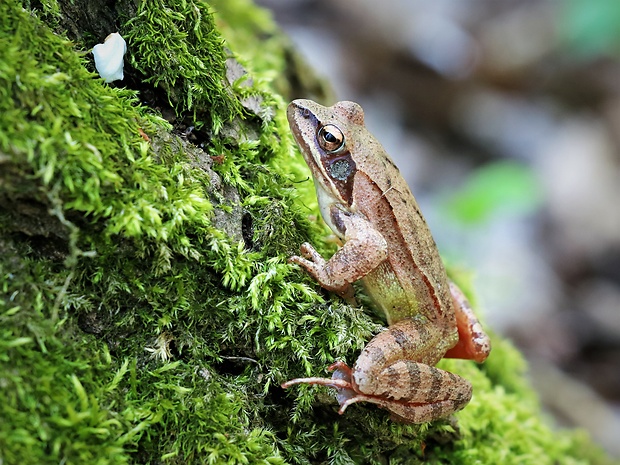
{"points": [[341, 380], [322, 271]]}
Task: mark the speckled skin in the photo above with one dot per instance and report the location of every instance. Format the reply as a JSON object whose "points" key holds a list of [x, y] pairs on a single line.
{"points": [[388, 246]]}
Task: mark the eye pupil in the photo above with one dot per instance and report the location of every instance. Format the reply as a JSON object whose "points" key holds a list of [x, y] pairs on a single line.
{"points": [[331, 138]]}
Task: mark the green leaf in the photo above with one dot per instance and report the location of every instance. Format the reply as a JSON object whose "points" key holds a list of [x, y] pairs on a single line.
{"points": [[499, 188]]}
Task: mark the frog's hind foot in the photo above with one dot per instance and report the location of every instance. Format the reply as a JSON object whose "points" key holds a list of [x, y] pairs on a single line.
{"points": [[346, 392]]}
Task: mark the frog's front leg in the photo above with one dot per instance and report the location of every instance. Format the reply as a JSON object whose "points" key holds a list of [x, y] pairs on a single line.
{"points": [[395, 372], [363, 250]]}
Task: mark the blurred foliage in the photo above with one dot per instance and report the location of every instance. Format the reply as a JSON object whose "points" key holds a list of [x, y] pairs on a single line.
{"points": [[504, 187], [590, 27]]}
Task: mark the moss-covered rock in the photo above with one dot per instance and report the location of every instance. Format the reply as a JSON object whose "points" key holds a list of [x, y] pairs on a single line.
{"points": [[147, 310]]}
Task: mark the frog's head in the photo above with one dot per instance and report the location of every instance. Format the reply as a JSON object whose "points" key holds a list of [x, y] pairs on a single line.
{"points": [[325, 136]]}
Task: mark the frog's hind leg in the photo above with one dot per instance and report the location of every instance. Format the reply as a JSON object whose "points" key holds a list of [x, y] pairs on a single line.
{"points": [[473, 343], [395, 372], [418, 393]]}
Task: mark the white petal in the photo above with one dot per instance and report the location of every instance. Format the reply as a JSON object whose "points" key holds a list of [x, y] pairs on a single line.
{"points": [[109, 57]]}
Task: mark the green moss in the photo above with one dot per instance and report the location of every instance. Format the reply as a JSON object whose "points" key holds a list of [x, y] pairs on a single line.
{"points": [[251, 32], [46, 7], [67, 399], [132, 328], [176, 47]]}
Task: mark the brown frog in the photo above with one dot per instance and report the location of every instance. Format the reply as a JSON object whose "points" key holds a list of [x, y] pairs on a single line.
{"points": [[388, 246]]}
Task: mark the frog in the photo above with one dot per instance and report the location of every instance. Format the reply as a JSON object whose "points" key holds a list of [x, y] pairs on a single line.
{"points": [[388, 247]]}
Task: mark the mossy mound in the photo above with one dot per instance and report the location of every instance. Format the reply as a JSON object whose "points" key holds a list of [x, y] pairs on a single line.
{"points": [[148, 313]]}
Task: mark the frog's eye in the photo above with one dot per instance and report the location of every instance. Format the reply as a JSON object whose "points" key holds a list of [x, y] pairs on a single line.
{"points": [[331, 139]]}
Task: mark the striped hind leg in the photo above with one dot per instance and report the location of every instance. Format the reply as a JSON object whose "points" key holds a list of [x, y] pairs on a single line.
{"points": [[396, 372]]}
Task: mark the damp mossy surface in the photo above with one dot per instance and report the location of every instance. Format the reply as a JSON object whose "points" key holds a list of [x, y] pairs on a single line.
{"points": [[148, 313]]}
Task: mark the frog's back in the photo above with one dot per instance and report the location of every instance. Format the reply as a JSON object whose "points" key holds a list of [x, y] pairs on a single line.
{"points": [[413, 279]]}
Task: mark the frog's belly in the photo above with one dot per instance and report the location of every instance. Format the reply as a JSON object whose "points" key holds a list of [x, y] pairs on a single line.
{"points": [[404, 295], [396, 301]]}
